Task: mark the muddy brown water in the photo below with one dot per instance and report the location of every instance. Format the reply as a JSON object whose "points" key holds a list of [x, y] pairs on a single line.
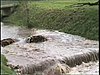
{"points": [[58, 46], [11, 31]]}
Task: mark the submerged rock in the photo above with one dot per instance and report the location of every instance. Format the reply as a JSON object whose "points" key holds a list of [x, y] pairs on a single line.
{"points": [[58, 69], [36, 39]]}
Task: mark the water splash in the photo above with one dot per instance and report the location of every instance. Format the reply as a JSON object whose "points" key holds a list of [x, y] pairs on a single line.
{"points": [[72, 61], [66, 48]]}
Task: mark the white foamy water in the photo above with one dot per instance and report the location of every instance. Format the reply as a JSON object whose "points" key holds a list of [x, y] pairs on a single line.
{"points": [[58, 46], [91, 68], [11, 31]]}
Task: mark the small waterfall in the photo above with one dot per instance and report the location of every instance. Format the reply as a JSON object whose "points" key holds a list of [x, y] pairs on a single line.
{"points": [[78, 59], [33, 68], [70, 61]]}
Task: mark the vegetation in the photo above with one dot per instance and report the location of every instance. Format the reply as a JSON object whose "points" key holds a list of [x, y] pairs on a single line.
{"points": [[59, 15], [62, 15], [4, 68]]}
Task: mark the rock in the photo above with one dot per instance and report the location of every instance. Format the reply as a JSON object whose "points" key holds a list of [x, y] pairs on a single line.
{"points": [[8, 41], [36, 39], [58, 69]]}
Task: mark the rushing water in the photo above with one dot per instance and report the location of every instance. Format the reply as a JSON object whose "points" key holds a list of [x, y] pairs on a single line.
{"points": [[58, 46], [10, 31]]}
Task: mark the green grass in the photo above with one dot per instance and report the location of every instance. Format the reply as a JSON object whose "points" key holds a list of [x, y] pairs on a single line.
{"points": [[4, 69], [59, 15], [58, 4], [52, 5]]}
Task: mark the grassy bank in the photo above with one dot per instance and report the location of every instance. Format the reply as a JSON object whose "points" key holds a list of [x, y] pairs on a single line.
{"points": [[4, 68], [61, 16]]}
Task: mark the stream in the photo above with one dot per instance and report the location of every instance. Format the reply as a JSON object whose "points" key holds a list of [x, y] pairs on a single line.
{"points": [[58, 46]]}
